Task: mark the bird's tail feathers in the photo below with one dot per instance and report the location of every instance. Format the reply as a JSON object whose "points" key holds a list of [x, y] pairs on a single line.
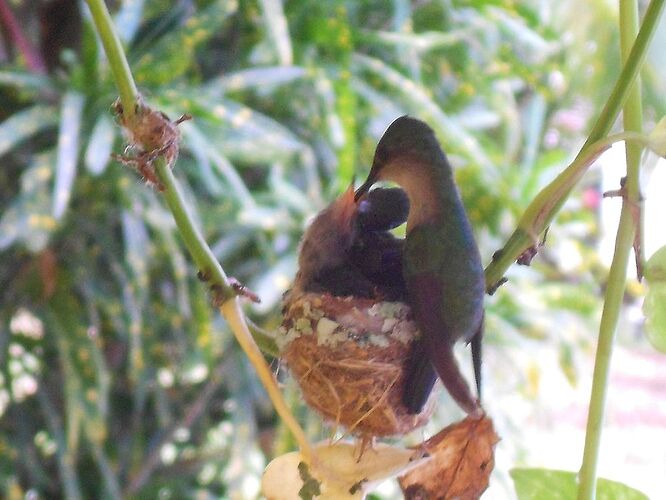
{"points": [[420, 380], [448, 370]]}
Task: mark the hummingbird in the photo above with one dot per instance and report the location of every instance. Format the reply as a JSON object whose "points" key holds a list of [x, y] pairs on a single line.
{"points": [[441, 265], [376, 252], [348, 250]]}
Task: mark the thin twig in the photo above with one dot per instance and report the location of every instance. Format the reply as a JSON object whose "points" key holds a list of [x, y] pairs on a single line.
{"points": [[199, 250], [626, 235], [520, 240], [33, 59]]}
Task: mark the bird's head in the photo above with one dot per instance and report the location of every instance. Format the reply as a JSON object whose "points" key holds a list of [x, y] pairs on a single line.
{"points": [[330, 236], [407, 151], [409, 155]]}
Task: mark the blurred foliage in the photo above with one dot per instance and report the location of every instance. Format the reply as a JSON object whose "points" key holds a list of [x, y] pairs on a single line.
{"points": [[544, 484], [653, 306], [117, 376]]}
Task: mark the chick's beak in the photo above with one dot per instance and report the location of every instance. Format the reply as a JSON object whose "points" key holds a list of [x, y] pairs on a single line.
{"points": [[348, 204]]}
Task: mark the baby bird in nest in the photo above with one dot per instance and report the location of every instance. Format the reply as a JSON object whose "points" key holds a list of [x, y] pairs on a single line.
{"points": [[348, 249]]}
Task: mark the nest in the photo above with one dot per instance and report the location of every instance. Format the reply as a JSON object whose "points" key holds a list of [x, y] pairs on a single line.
{"points": [[348, 356]]}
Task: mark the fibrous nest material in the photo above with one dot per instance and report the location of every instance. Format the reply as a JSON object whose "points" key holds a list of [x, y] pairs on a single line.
{"points": [[348, 356]]}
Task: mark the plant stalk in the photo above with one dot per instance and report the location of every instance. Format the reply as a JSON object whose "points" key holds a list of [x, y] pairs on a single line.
{"points": [[627, 230], [122, 74], [520, 240], [544, 207], [201, 254]]}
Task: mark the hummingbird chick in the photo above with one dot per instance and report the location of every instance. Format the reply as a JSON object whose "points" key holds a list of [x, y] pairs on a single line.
{"points": [[376, 251], [348, 250], [324, 257]]}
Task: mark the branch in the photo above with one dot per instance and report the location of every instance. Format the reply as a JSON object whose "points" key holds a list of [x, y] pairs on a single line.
{"points": [[556, 193], [196, 245], [33, 59], [627, 232]]}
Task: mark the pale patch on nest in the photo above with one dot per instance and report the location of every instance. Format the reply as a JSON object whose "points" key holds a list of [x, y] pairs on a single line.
{"points": [[348, 356]]}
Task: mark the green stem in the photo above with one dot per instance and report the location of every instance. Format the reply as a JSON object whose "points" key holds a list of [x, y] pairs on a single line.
{"points": [[201, 254], [542, 210], [633, 119], [117, 60], [64, 455], [520, 240], [199, 250]]}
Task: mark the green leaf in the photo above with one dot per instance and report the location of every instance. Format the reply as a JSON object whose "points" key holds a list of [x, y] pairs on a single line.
{"points": [[128, 19], [654, 306], [24, 80], [138, 248], [250, 137], [173, 55], [288, 194], [276, 26], [421, 42], [567, 363], [416, 100], [238, 133], [68, 151], [253, 78], [98, 152], [529, 45], [205, 152], [25, 124], [548, 484], [28, 218], [87, 378]]}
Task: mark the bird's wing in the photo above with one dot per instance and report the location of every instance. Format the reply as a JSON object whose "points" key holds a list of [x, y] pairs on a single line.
{"points": [[431, 300]]}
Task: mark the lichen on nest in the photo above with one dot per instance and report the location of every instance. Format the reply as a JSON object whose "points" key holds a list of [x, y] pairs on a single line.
{"points": [[333, 320], [348, 355]]}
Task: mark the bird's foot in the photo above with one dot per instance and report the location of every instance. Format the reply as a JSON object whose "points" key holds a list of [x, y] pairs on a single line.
{"points": [[365, 443], [478, 413]]}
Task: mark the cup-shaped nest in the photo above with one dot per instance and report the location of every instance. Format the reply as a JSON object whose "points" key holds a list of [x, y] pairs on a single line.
{"points": [[348, 355]]}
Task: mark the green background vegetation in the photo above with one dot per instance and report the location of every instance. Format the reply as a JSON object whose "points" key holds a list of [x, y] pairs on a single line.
{"points": [[117, 377]]}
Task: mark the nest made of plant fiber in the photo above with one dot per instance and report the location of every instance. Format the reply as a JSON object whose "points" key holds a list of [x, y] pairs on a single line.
{"points": [[348, 355]]}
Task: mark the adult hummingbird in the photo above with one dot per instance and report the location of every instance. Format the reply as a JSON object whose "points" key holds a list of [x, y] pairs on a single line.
{"points": [[441, 264]]}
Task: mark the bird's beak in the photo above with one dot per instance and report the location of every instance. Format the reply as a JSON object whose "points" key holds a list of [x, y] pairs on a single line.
{"points": [[348, 203], [365, 187]]}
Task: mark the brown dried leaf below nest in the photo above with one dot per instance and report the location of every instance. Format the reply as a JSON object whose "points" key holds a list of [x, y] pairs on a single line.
{"points": [[462, 460]]}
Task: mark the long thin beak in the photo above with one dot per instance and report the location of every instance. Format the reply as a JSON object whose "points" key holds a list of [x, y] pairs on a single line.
{"points": [[365, 187]]}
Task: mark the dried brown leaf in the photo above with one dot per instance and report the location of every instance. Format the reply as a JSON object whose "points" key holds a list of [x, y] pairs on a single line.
{"points": [[462, 460]]}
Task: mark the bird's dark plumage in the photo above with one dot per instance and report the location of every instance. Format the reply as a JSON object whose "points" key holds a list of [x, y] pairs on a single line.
{"points": [[348, 249], [441, 263]]}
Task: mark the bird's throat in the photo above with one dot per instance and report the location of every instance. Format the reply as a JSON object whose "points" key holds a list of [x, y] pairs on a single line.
{"points": [[424, 190]]}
